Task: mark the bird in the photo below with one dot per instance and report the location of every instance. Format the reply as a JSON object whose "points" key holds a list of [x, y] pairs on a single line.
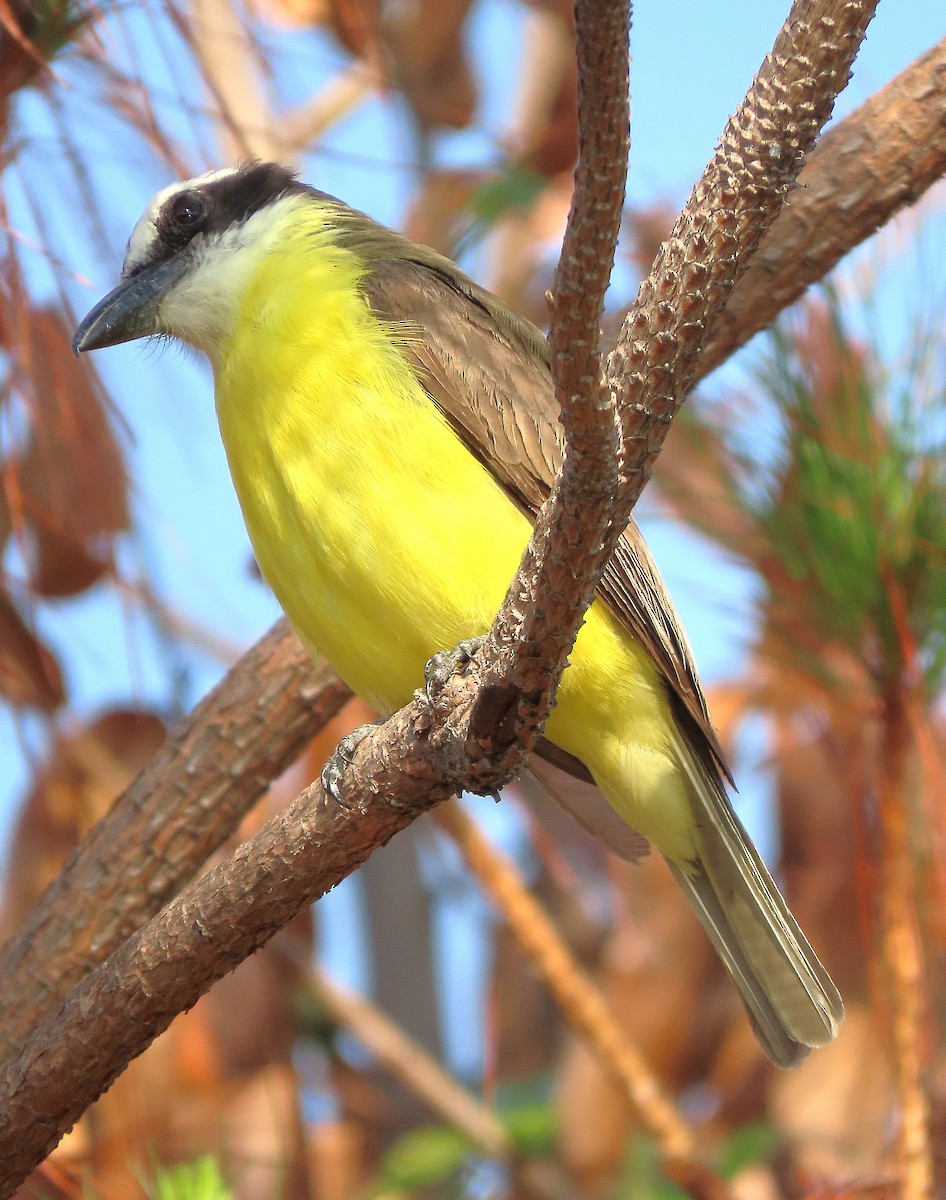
{"points": [[391, 431]]}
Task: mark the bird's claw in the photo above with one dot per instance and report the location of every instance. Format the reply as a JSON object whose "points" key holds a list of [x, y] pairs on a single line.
{"points": [[338, 762], [447, 663]]}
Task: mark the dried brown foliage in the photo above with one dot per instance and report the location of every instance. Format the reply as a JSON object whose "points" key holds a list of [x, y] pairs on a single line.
{"points": [[63, 487]]}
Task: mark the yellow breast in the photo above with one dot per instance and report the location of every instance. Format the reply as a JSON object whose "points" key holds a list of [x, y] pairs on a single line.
{"points": [[384, 540]]}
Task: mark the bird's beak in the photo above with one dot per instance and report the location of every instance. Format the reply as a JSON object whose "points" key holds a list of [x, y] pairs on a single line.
{"points": [[130, 310]]}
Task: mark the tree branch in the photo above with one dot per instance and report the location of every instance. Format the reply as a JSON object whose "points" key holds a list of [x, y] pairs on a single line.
{"points": [[879, 159], [535, 628], [215, 765], [582, 1003], [731, 207], [410, 1063], [536, 1179], [215, 922]]}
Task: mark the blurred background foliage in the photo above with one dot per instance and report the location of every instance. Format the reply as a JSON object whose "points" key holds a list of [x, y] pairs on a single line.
{"points": [[818, 469]]}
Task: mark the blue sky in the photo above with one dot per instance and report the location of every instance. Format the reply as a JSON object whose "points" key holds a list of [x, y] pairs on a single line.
{"points": [[691, 65]]}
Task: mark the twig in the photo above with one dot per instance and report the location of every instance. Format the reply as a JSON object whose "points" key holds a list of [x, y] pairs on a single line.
{"points": [[581, 1001], [426, 1078], [231, 73], [732, 206], [901, 946], [409, 1062], [879, 159], [302, 127]]}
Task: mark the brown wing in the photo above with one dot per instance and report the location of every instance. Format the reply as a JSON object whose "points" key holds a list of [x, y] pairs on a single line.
{"points": [[488, 371]]}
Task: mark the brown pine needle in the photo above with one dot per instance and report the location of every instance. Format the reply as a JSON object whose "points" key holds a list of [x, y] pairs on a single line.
{"points": [[410, 1063], [580, 999], [426, 1078], [901, 951]]}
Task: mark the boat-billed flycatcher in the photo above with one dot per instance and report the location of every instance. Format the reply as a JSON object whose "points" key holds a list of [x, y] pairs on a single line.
{"points": [[391, 430]]}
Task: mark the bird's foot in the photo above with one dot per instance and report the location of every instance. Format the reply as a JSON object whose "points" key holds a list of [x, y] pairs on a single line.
{"points": [[447, 663], [337, 763]]}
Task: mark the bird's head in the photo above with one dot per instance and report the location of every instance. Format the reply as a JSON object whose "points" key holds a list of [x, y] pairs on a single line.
{"points": [[188, 257]]}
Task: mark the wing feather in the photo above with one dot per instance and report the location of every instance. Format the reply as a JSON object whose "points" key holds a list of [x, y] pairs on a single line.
{"points": [[488, 372]]}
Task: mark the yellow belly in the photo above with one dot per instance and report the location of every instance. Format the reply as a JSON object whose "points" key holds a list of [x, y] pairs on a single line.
{"points": [[385, 542]]}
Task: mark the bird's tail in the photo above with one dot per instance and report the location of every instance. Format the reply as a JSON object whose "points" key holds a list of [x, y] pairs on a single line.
{"points": [[791, 1001]]}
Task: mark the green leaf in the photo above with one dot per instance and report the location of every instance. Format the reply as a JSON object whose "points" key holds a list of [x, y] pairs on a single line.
{"points": [[532, 1128], [755, 1143], [516, 188], [423, 1157], [643, 1177], [198, 1180]]}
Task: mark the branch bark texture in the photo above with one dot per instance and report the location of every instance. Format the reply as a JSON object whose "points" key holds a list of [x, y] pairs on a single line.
{"points": [[216, 922], [213, 768], [539, 619], [730, 209], [866, 168]]}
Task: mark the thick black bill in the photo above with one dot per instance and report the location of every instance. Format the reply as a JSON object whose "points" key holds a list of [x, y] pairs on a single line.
{"points": [[130, 310]]}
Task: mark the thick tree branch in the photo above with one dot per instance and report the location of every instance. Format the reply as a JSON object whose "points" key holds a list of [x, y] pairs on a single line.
{"points": [[215, 765], [216, 922]]}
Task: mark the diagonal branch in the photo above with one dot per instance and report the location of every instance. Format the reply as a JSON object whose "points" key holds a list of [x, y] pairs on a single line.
{"points": [[426, 1078], [213, 768], [584, 1005], [879, 159], [216, 921], [411, 1064], [730, 209]]}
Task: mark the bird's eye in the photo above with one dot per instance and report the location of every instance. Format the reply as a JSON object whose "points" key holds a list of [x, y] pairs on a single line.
{"points": [[187, 210]]}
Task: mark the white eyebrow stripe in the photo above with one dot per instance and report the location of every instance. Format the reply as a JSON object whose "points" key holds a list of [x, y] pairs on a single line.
{"points": [[145, 233]]}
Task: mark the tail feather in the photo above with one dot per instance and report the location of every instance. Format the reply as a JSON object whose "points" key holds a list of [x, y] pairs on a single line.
{"points": [[587, 805], [790, 998]]}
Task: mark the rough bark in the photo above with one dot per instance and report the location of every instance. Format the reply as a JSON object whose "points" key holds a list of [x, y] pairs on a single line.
{"points": [[536, 625], [215, 765], [863, 171], [731, 208]]}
